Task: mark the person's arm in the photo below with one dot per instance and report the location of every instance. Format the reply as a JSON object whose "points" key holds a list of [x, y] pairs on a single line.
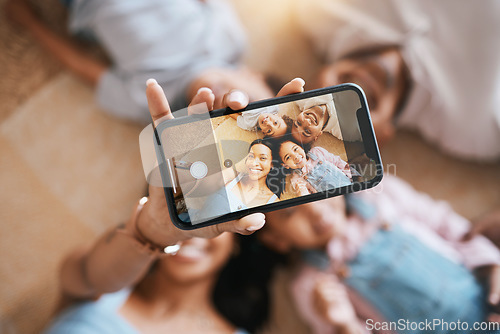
{"points": [[64, 50], [299, 185], [325, 307], [440, 217], [123, 255], [332, 158], [119, 258], [331, 302]]}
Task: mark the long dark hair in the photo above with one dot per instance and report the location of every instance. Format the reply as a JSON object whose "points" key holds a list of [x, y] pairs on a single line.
{"points": [[276, 152], [275, 180], [242, 292]]}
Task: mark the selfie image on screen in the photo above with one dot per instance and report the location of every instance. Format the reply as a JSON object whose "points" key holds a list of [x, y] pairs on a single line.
{"points": [[297, 154], [270, 154]]}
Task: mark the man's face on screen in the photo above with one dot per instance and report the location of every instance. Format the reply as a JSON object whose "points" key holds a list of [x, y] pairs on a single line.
{"points": [[309, 124]]}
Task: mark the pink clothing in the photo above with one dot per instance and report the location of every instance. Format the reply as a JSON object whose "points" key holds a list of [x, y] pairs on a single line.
{"points": [[434, 223], [324, 155]]}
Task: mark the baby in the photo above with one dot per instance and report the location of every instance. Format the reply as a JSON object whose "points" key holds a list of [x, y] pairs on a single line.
{"points": [[266, 120], [382, 255], [315, 171]]}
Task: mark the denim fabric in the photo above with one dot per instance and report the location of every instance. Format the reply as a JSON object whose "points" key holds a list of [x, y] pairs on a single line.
{"points": [[99, 316], [326, 176], [405, 279], [355, 203]]}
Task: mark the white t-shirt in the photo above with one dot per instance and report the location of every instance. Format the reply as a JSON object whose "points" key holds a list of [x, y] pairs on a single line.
{"points": [[169, 40], [452, 49]]}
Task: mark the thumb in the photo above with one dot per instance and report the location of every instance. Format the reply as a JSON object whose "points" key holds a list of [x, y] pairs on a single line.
{"points": [[246, 225], [156, 193]]}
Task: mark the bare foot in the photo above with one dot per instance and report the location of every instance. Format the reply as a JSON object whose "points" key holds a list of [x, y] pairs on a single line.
{"points": [[221, 81]]}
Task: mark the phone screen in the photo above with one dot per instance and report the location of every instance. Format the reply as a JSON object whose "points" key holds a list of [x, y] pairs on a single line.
{"points": [[308, 147]]}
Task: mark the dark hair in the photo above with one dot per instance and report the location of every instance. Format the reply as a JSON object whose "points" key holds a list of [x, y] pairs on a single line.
{"points": [[277, 146], [275, 180], [241, 293], [288, 122]]}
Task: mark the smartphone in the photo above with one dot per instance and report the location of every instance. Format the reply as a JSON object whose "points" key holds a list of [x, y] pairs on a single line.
{"points": [[275, 153]]}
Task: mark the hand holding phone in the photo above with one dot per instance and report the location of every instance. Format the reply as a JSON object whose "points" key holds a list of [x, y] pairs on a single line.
{"points": [[276, 153], [154, 221]]}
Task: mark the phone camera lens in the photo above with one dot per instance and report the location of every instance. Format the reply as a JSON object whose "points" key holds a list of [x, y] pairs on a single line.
{"points": [[228, 163]]}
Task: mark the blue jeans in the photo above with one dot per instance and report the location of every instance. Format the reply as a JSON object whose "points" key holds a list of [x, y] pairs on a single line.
{"points": [[404, 279], [326, 176]]}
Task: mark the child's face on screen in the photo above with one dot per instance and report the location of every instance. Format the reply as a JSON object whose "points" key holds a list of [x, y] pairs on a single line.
{"points": [[272, 125], [306, 226], [259, 161], [309, 124], [292, 155]]}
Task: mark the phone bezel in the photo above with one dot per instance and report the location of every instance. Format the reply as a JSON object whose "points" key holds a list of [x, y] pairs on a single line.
{"points": [[367, 133]]}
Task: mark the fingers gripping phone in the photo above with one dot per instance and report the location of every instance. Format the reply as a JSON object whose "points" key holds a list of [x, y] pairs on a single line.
{"points": [[275, 153]]}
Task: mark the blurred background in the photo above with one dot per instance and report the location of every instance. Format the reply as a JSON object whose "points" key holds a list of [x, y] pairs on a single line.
{"points": [[68, 171]]}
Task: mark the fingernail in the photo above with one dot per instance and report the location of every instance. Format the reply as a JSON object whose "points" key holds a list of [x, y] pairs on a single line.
{"points": [[237, 96], [151, 82], [256, 227], [302, 81], [204, 89], [494, 298]]}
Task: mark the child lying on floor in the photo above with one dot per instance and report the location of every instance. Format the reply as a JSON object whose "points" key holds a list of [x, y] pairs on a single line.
{"points": [[385, 254], [266, 120], [313, 171]]}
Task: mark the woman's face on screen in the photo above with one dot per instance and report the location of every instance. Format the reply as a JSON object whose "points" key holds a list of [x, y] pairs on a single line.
{"points": [[259, 161]]}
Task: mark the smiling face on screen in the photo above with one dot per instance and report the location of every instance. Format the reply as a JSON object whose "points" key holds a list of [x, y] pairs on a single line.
{"points": [[309, 124], [272, 125], [259, 161], [292, 155]]}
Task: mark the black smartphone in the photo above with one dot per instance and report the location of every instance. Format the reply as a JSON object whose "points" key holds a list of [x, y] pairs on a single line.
{"points": [[275, 153]]}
